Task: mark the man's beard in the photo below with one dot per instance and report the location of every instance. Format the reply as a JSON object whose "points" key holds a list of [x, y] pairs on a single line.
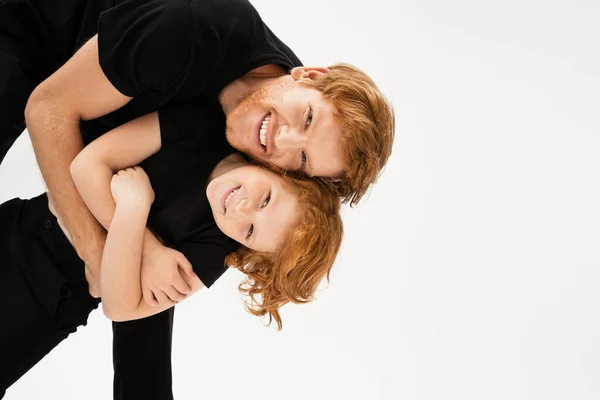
{"points": [[271, 94], [266, 97]]}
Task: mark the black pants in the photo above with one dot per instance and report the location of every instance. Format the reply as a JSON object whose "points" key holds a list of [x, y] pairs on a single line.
{"points": [[31, 49], [43, 279], [42, 287]]}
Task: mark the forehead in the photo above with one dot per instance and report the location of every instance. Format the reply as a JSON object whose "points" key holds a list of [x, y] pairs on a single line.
{"points": [[327, 156], [301, 93]]}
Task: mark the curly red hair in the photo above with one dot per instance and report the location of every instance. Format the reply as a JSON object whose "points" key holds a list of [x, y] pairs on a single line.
{"points": [[304, 258]]}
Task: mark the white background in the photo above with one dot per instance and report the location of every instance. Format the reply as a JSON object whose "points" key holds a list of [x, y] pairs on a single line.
{"points": [[471, 270]]}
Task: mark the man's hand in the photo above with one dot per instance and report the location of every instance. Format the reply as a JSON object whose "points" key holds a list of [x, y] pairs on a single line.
{"points": [[162, 282], [92, 275], [92, 266]]}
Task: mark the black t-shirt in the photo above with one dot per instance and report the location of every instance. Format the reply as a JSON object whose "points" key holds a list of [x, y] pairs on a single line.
{"points": [[174, 57], [181, 214], [165, 52]]}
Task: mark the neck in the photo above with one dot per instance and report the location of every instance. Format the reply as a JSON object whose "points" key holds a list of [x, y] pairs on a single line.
{"points": [[234, 93], [227, 164]]}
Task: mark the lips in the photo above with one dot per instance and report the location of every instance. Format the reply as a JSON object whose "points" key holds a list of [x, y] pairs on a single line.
{"points": [[263, 130], [227, 196], [263, 125]]}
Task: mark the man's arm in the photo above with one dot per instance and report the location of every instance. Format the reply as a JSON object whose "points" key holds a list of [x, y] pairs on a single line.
{"points": [[79, 90]]}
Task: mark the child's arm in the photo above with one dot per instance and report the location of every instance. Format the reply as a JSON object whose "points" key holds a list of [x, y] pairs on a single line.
{"points": [[120, 269], [92, 170]]}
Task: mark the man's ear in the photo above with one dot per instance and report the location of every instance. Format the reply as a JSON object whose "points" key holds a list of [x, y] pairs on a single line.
{"points": [[308, 73]]}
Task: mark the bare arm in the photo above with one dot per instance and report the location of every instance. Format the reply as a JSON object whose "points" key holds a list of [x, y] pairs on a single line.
{"points": [[121, 290], [92, 171], [79, 90], [124, 146]]}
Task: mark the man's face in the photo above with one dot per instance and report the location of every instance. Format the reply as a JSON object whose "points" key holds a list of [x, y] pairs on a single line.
{"points": [[290, 126]]}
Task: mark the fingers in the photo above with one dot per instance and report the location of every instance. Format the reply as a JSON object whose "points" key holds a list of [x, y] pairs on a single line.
{"points": [[95, 292], [174, 295], [161, 297], [149, 298], [185, 265], [127, 170], [165, 297], [181, 285], [93, 287]]}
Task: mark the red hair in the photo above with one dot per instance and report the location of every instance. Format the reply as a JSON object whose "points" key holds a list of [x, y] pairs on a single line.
{"points": [[368, 122], [305, 257]]}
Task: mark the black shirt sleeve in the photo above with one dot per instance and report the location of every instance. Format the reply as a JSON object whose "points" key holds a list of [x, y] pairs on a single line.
{"points": [[207, 255], [145, 46]]}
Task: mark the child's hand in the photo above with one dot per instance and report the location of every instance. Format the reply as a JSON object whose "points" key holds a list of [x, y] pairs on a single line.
{"points": [[162, 275], [131, 187]]}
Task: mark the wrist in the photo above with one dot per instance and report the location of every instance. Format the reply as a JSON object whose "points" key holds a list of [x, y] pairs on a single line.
{"points": [[133, 210], [89, 244], [91, 253]]}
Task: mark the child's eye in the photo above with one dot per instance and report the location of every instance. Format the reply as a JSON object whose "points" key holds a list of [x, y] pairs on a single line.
{"points": [[303, 163], [266, 200], [250, 231]]}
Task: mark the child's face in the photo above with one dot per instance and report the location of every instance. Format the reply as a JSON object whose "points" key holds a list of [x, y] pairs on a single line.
{"points": [[253, 206]]}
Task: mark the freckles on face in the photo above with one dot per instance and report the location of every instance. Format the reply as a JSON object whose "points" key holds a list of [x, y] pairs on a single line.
{"points": [[300, 132], [311, 142], [244, 121]]}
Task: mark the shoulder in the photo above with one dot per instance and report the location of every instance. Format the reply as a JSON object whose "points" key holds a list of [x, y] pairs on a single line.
{"points": [[223, 10], [145, 10], [226, 19], [144, 46]]}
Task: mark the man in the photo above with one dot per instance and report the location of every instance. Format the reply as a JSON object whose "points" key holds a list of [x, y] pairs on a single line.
{"points": [[143, 55]]}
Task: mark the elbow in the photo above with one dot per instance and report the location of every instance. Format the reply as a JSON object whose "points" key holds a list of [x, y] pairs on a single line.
{"points": [[114, 314], [108, 313], [45, 107], [77, 167], [87, 165], [84, 164], [34, 105], [120, 311]]}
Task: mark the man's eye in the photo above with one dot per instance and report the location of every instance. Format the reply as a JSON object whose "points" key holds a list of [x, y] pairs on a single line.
{"points": [[267, 200], [303, 164], [309, 118], [250, 231]]}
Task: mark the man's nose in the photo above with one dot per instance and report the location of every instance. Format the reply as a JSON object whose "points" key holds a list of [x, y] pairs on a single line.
{"points": [[290, 139]]}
